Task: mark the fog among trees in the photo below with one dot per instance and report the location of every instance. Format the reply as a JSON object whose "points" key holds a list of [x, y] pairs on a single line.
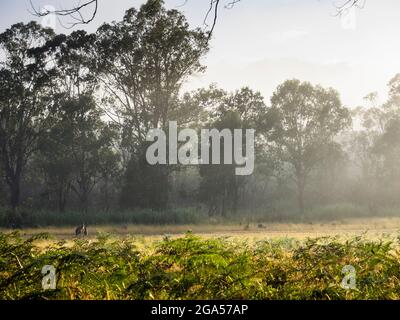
{"points": [[75, 110]]}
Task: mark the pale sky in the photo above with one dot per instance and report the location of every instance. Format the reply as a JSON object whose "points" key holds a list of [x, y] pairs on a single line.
{"points": [[260, 43]]}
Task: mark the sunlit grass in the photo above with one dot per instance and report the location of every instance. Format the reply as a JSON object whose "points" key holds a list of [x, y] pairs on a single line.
{"points": [[227, 265]]}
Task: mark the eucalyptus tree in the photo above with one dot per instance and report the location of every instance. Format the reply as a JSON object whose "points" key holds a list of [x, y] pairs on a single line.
{"points": [[72, 149], [142, 62], [386, 145], [26, 86], [304, 119], [220, 187]]}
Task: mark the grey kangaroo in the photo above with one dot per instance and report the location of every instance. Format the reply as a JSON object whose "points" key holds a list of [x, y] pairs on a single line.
{"points": [[81, 230]]}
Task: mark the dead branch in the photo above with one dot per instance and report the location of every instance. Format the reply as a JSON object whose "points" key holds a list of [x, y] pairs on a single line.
{"points": [[74, 12], [346, 5]]}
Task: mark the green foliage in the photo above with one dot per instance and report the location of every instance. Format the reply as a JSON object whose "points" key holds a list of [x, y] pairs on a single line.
{"points": [[142, 62], [25, 95], [244, 109], [195, 268], [179, 216], [304, 119], [189, 215]]}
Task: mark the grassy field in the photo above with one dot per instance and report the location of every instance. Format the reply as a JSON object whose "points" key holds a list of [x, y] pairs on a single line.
{"points": [[275, 261], [370, 227]]}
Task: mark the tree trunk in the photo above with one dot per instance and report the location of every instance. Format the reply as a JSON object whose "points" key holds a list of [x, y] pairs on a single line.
{"points": [[13, 178], [300, 192], [14, 219], [15, 193], [62, 199], [84, 201], [300, 198], [235, 194], [106, 194]]}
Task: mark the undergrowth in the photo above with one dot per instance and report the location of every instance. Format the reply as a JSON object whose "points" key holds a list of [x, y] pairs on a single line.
{"points": [[194, 268]]}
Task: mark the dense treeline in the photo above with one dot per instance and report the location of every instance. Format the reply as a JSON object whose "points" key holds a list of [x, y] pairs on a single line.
{"points": [[75, 110]]}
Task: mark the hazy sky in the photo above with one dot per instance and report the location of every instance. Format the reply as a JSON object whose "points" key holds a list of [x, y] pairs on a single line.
{"points": [[260, 43]]}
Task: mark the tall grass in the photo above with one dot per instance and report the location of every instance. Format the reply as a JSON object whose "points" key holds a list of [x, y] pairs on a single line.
{"points": [[44, 218], [181, 216]]}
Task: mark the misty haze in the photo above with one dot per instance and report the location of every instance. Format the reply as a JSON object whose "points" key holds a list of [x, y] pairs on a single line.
{"points": [[169, 150]]}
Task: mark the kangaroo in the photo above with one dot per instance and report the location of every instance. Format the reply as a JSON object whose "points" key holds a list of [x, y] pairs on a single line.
{"points": [[81, 230]]}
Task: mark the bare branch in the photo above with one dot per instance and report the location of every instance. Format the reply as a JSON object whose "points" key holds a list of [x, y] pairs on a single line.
{"points": [[346, 5], [214, 6], [213, 9], [74, 12]]}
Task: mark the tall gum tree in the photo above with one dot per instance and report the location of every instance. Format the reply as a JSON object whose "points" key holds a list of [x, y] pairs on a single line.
{"points": [[142, 63], [303, 119], [25, 91]]}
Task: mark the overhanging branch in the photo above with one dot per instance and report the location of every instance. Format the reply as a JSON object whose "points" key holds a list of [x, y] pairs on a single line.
{"points": [[345, 5], [74, 12]]}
